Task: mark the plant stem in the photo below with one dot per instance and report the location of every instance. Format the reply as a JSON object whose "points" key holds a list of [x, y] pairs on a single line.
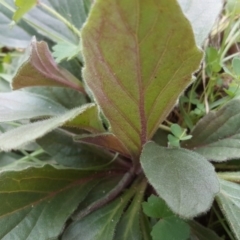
{"points": [[32, 156], [223, 224], [124, 182], [60, 17], [164, 127]]}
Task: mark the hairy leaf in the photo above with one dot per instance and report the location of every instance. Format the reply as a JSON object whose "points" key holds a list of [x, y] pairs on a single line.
{"points": [[20, 136], [135, 65], [40, 199], [229, 202], [18, 105], [40, 70], [202, 16], [184, 179], [101, 223], [217, 135], [66, 152]]}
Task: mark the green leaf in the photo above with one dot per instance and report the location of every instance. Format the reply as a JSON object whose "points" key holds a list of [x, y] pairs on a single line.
{"points": [[128, 227], [99, 191], [64, 50], [213, 59], [229, 202], [66, 152], [7, 158], [40, 199], [202, 16], [27, 133], [171, 228], [90, 121], [136, 93], [101, 223], [23, 7], [173, 141], [176, 130], [39, 69], [236, 66], [202, 233], [184, 179], [18, 105], [155, 207], [67, 97], [217, 135]]}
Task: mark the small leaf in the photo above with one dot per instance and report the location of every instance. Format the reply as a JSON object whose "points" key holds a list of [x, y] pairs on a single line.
{"points": [[213, 59], [187, 137], [136, 94], [40, 70], [27, 133], [229, 202], [171, 228], [39, 199], [173, 141], [100, 224], [65, 50], [184, 179], [217, 135], [155, 207], [23, 7], [176, 130], [66, 152]]}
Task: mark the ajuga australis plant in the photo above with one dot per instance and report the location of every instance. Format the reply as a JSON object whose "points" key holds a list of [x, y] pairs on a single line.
{"points": [[87, 127]]}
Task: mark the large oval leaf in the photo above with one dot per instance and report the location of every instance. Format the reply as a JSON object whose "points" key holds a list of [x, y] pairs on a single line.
{"points": [[184, 179], [139, 56]]}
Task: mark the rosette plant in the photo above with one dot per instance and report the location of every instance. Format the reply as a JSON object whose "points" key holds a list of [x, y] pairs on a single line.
{"points": [[92, 167]]}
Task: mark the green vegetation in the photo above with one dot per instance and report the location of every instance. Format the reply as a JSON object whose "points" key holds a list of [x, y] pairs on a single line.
{"points": [[119, 120]]}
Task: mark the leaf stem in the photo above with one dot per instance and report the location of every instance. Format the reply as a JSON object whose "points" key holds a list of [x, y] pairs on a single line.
{"points": [[229, 176], [60, 17], [164, 127], [124, 182], [32, 156], [223, 224]]}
